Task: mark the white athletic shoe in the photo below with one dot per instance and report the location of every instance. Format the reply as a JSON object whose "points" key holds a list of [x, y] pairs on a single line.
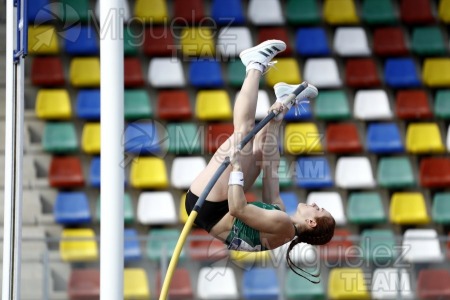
{"points": [[262, 54], [282, 90]]}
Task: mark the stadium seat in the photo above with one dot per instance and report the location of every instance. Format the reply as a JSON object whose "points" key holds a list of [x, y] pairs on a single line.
{"points": [[236, 73], [128, 210], [59, 138], [260, 284], [302, 289], [332, 105], [365, 109], [156, 208], [233, 40], [383, 138], [142, 179], [442, 104], [413, 104], [436, 72], [197, 41], [263, 105], [133, 72], [85, 72], [81, 41], [174, 105], [278, 33], [339, 248], [440, 210], [361, 73], [300, 12], [313, 173], [433, 284], [79, 11], [268, 14], [135, 284], [354, 172], [203, 247], [84, 284], [421, 246], [158, 41], [378, 246], [224, 11], [185, 170], [351, 41], [72, 208], [416, 12], [435, 172], [389, 41], [347, 283], [322, 72], [39, 11], [312, 41], [287, 70], [211, 286], [182, 210], [332, 202], [213, 105], [88, 104], [343, 138], [290, 202], [391, 283], [216, 135], [161, 242], [137, 104], [365, 208], [53, 104], [395, 172], [90, 138], [154, 12], [142, 138], [378, 12], [205, 74], [130, 41], [184, 138], [43, 40], [428, 41], [301, 138], [444, 11], [166, 73], [84, 249], [65, 172], [284, 175], [180, 286], [302, 111], [401, 73], [47, 71], [340, 12], [188, 12], [94, 172], [408, 208], [132, 250], [423, 138]]}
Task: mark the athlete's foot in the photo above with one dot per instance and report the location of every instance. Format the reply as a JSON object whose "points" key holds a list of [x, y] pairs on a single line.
{"points": [[283, 90], [260, 56]]}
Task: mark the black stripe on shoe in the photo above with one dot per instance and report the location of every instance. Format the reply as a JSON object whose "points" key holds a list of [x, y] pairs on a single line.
{"points": [[263, 53], [275, 48], [268, 50]]}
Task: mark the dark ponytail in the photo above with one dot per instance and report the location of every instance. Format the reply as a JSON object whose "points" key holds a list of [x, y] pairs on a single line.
{"points": [[318, 235]]}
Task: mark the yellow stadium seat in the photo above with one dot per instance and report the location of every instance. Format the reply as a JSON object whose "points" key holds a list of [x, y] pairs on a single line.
{"points": [[338, 12], [213, 105], [78, 250], [149, 172], [347, 283], [85, 72], [197, 41], [53, 104], [408, 208], [183, 214], [151, 11], [436, 72], [249, 258], [286, 70], [90, 138], [42, 39], [302, 138], [444, 10], [424, 138], [135, 284]]}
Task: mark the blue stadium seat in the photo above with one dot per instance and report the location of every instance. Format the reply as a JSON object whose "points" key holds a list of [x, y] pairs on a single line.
{"points": [[205, 74], [302, 112], [290, 202], [132, 250], [142, 138], [81, 41], [312, 42], [71, 208], [88, 104], [39, 11], [313, 172], [384, 138], [94, 172], [401, 73], [225, 11], [260, 284]]}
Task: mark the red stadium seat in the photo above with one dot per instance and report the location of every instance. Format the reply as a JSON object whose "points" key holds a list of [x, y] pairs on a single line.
{"points": [[180, 287], [158, 41], [133, 72], [279, 33], [188, 12], [416, 11], [433, 284], [413, 104], [47, 71], [216, 135], [204, 247], [66, 172], [389, 41], [174, 105], [340, 249], [343, 138], [84, 284], [435, 172], [362, 73]]}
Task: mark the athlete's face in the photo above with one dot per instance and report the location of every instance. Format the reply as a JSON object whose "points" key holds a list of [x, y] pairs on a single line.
{"points": [[309, 212]]}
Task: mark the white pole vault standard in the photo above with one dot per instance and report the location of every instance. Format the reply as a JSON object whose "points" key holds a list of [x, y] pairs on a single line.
{"points": [[112, 174]]}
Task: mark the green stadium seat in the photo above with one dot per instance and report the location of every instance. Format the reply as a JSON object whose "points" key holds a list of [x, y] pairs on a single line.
{"points": [[442, 104], [128, 210], [295, 288], [160, 240], [236, 74], [137, 104], [332, 105], [60, 138], [378, 12], [365, 208], [302, 12], [130, 43], [395, 172], [440, 211], [428, 41], [285, 178], [184, 138], [74, 11], [378, 246]]}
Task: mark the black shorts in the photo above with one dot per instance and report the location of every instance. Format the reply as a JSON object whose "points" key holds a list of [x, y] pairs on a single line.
{"points": [[210, 213]]}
